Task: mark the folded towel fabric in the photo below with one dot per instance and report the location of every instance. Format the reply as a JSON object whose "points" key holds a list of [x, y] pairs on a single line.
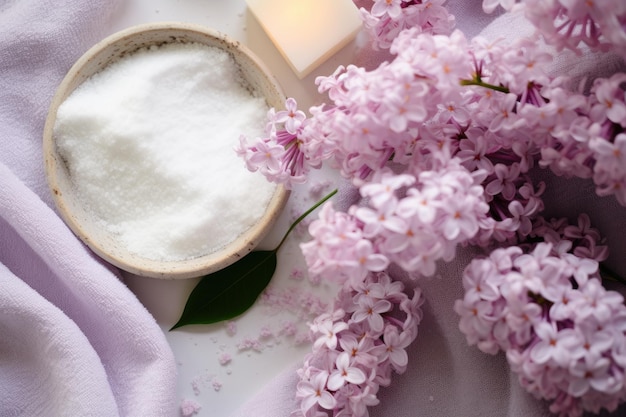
{"points": [[74, 340]]}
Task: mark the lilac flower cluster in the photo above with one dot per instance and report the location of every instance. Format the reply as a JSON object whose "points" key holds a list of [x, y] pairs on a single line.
{"points": [[439, 208], [563, 333], [598, 24], [440, 142], [282, 157], [357, 347], [585, 136], [492, 105], [387, 18]]}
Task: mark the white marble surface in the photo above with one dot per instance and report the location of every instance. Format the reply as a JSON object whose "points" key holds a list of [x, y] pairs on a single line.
{"points": [[220, 389]]}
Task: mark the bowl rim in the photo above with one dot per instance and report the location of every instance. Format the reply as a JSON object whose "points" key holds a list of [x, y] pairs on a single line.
{"points": [[133, 263]]}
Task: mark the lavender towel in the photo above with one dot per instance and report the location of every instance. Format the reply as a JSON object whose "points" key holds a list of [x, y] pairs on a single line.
{"points": [[74, 341]]}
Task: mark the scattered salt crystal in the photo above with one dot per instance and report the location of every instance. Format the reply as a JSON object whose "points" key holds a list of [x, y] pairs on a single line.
{"points": [[302, 338], [189, 407], [249, 343], [297, 274], [217, 384], [304, 304], [265, 332], [148, 143], [289, 328], [201, 381], [231, 328], [315, 279], [195, 385], [303, 227], [268, 297], [225, 359], [316, 189]]}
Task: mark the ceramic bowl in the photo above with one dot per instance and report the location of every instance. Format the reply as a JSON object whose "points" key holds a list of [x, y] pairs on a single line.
{"points": [[70, 208]]}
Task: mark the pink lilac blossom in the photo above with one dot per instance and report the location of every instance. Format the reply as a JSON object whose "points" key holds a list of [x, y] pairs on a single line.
{"points": [[281, 156], [440, 142], [458, 177], [569, 24], [388, 18], [441, 209], [545, 307], [351, 359], [589, 142], [501, 110], [607, 116], [580, 239]]}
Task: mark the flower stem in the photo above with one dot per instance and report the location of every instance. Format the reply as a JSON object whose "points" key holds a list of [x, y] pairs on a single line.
{"points": [[477, 81], [303, 215]]}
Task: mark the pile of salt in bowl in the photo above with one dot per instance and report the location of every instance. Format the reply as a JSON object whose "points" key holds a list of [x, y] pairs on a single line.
{"points": [[148, 142]]}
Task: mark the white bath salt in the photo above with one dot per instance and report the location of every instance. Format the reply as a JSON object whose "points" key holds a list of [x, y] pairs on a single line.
{"points": [[148, 142]]}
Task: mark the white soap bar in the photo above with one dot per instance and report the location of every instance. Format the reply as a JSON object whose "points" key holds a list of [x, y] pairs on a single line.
{"points": [[307, 32]]}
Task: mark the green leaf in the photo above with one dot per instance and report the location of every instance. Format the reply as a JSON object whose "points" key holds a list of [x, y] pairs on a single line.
{"points": [[229, 292]]}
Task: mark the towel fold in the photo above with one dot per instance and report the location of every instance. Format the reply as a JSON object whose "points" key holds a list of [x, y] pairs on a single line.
{"points": [[74, 340]]}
